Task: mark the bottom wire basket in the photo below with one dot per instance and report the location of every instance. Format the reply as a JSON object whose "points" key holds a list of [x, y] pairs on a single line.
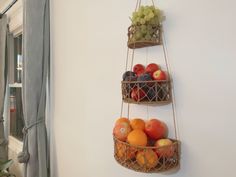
{"points": [[148, 159]]}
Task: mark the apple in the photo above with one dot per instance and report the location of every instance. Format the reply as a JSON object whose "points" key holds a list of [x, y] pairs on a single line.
{"points": [[156, 129], [159, 75], [151, 68], [121, 131], [164, 148], [138, 69], [137, 94]]}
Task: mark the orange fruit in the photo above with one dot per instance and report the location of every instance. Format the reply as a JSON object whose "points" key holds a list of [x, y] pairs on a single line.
{"points": [[121, 131], [125, 151], [137, 137], [122, 119], [137, 124], [147, 158]]}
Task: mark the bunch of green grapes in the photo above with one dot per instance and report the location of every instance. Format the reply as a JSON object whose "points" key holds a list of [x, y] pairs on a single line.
{"points": [[145, 20], [147, 15]]}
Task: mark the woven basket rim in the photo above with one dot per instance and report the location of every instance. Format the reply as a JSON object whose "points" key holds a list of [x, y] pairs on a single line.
{"points": [[160, 102], [175, 142], [152, 81]]}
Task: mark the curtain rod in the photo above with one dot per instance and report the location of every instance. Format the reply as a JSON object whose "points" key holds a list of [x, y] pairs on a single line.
{"points": [[7, 8]]}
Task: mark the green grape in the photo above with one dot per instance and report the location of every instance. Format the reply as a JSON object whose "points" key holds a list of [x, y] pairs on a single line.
{"points": [[135, 14], [138, 35], [144, 32], [145, 12], [140, 13], [148, 37], [137, 20], [151, 15], [141, 8], [147, 18], [153, 39], [152, 8], [143, 27], [142, 21]]}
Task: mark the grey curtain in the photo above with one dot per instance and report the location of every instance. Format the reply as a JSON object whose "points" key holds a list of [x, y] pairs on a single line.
{"points": [[3, 75], [36, 56]]}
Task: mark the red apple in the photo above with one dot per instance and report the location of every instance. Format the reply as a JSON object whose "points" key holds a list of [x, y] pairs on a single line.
{"points": [[159, 75], [164, 148], [156, 129], [138, 94], [151, 68], [138, 69]]}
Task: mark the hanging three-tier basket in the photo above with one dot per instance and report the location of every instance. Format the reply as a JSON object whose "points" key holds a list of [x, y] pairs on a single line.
{"points": [[144, 145]]}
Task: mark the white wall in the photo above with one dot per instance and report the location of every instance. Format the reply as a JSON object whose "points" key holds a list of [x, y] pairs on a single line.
{"points": [[89, 50]]}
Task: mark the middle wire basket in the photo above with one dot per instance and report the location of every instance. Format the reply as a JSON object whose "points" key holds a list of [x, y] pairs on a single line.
{"points": [[146, 92]]}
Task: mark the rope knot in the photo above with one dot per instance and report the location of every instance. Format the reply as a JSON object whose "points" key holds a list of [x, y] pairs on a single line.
{"points": [[25, 130], [23, 157]]}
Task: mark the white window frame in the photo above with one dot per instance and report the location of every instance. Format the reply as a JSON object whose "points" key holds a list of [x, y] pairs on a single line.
{"points": [[15, 21]]}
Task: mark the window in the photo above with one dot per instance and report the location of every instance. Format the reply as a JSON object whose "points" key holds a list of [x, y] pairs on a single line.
{"points": [[16, 110]]}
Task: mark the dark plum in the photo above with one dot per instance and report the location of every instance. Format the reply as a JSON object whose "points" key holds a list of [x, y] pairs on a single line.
{"points": [[151, 95], [144, 77], [128, 74]]}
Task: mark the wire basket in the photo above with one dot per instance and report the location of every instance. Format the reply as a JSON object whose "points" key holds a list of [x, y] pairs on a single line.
{"points": [[152, 40], [149, 159], [146, 92]]}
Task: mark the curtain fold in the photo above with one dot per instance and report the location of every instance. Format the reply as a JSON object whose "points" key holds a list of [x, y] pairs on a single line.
{"points": [[36, 57], [3, 78]]}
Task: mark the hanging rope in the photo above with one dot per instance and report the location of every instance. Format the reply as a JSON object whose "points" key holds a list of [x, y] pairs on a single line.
{"points": [[173, 103]]}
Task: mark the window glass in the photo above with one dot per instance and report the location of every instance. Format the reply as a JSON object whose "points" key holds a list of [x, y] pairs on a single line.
{"points": [[16, 111]]}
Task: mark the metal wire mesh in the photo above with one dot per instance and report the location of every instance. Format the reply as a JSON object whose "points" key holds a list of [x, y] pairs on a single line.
{"points": [[146, 92], [149, 159]]}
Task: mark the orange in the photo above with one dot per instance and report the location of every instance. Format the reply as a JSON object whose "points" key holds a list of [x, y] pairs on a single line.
{"points": [[125, 151], [137, 124], [137, 138], [121, 131], [122, 119], [147, 158]]}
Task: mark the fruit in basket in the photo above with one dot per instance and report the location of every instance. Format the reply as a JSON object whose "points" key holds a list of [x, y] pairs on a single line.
{"points": [[156, 129], [147, 15], [138, 69], [138, 94], [145, 22], [165, 148], [144, 77], [137, 123], [128, 74], [125, 151], [159, 75], [137, 138], [151, 68], [151, 94], [122, 120], [147, 158], [121, 131], [131, 78]]}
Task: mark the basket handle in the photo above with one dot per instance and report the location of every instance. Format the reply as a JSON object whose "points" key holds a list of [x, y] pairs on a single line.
{"points": [[139, 2]]}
